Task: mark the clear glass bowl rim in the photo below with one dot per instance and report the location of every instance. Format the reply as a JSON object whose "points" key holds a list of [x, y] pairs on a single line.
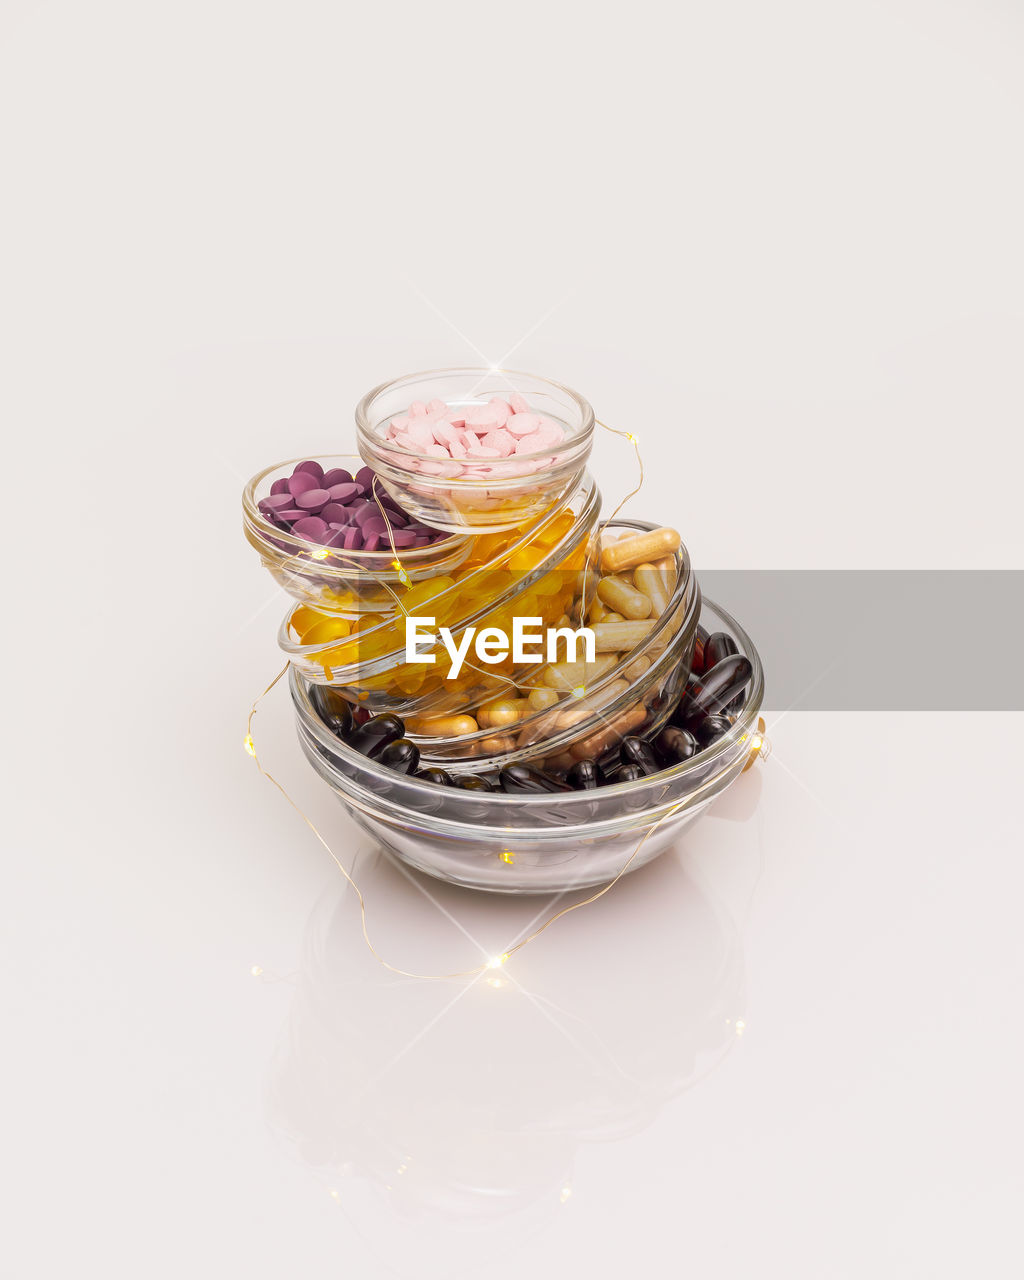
{"points": [[365, 430]]}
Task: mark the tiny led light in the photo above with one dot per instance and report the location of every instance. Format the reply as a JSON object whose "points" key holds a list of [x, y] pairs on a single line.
{"points": [[740, 1026], [321, 553], [496, 962], [256, 970], [507, 856], [566, 1193], [579, 692], [249, 745]]}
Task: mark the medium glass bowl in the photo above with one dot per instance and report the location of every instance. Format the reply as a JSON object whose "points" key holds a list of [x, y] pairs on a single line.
{"points": [[328, 579], [533, 843], [541, 566], [591, 725], [490, 494]]}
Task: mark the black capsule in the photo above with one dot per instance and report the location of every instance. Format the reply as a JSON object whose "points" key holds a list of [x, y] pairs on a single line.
{"points": [[719, 645], [711, 728], [521, 779], [627, 773], [334, 710], [585, 775], [439, 777], [635, 751], [474, 782], [699, 643], [372, 737], [402, 755], [673, 746], [714, 690]]}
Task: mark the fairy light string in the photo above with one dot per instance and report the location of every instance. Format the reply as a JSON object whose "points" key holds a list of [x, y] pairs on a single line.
{"points": [[758, 746]]}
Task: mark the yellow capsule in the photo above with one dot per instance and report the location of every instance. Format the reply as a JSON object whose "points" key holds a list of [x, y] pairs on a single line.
{"points": [[326, 630]]}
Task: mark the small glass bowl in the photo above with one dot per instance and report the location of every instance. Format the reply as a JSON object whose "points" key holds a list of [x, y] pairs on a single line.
{"points": [[533, 843], [369, 667], [328, 579], [590, 726], [489, 494]]}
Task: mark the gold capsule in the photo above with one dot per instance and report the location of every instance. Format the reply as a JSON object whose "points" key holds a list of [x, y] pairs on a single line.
{"points": [[641, 549], [622, 598], [502, 712]]}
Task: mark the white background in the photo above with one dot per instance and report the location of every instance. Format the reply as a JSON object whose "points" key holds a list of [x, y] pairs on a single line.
{"points": [[781, 243]]}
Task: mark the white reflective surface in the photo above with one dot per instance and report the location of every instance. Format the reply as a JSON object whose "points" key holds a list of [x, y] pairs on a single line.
{"points": [[801, 1022], [780, 243]]}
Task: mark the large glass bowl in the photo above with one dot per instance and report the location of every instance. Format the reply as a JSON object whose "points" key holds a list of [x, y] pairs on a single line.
{"points": [[533, 843], [487, 494]]}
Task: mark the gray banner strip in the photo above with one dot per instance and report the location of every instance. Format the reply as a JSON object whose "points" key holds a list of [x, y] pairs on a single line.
{"points": [[881, 640]]}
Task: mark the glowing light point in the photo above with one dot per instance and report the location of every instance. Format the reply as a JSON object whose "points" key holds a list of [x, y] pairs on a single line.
{"points": [[321, 553], [249, 745], [740, 1026], [632, 438], [580, 691], [566, 1193], [507, 856], [496, 962], [256, 970]]}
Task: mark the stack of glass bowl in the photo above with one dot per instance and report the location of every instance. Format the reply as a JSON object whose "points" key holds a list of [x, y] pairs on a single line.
{"points": [[523, 545]]}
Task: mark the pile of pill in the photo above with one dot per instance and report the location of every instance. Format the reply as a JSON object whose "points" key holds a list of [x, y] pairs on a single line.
{"points": [[624, 608], [498, 571], [336, 509], [714, 695], [494, 440]]}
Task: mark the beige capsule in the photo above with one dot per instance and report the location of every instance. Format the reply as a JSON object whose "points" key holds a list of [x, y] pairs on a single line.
{"points": [[496, 745], [577, 675], [640, 549], [542, 698], [610, 734], [576, 710], [655, 585], [621, 597], [636, 668], [621, 637], [442, 726]]}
